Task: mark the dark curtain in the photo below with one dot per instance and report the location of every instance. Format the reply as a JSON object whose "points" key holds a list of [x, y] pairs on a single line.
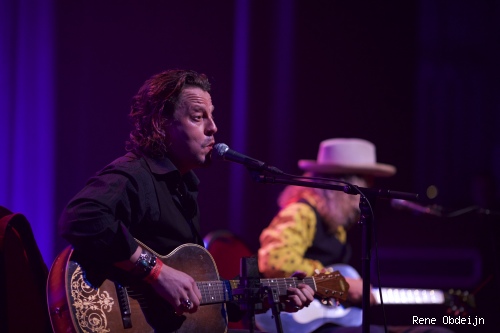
{"points": [[420, 79]]}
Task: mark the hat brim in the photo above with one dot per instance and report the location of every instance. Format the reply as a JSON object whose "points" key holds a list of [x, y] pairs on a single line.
{"points": [[377, 170]]}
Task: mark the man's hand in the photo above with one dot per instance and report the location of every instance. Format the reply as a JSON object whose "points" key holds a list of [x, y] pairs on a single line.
{"points": [[176, 287], [299, 297], [179, 289]]}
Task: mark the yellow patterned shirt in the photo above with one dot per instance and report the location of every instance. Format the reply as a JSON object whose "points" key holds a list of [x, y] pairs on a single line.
{"points": [[285, 241]]}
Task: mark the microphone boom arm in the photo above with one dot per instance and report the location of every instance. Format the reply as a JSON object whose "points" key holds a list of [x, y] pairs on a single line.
{"points": [[349, 189]]}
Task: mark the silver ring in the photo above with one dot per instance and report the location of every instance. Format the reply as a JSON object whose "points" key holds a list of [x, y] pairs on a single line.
{"points": [[186, 304]]}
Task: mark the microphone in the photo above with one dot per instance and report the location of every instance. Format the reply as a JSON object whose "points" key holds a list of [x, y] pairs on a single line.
{"points": [[415, 207], [222, 152]]}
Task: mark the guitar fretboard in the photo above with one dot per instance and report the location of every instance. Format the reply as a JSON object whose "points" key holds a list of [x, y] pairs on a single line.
{"points": [[221, 291], [214, 291], [281, 285]]}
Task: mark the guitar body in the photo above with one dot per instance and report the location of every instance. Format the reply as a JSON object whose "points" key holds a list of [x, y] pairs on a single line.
{"points": [[78, 306]]}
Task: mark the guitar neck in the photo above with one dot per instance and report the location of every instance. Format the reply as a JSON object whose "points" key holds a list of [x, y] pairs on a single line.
{"points": [[325, 285], [281, 285], [215, 291], [409, 296], [223, 290]]}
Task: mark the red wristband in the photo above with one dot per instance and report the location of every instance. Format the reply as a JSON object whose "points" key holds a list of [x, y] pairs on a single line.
{"points": [[155, 272]]}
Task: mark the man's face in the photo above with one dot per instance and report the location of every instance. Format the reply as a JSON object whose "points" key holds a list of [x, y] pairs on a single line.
{"points": [[191, 133]]}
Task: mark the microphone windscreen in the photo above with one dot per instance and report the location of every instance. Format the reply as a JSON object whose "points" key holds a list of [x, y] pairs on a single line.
{"points": [[220, 149]]}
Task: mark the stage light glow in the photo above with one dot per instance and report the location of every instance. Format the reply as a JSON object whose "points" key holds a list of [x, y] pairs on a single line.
{"points": [[432, 192]]}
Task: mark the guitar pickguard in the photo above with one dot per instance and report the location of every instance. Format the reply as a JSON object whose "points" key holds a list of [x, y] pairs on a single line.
{"points": [[92, 306]]}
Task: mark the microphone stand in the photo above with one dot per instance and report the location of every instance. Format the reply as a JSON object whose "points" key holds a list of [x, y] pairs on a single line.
{"points": [[250, 294], [367, 195], [274, 301], [249, 289]]}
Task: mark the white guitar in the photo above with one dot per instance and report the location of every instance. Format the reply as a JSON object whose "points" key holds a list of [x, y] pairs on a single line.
{"points": [[318, 314]]}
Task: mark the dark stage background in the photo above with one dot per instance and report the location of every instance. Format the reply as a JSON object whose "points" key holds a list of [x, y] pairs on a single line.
{"points": [[420, 79]]}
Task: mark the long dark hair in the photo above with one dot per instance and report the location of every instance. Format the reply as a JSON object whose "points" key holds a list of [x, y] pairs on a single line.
{"points": [[153, 108]]}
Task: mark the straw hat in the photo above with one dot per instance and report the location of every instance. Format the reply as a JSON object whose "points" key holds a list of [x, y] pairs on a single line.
{"points": [[347, 156]]}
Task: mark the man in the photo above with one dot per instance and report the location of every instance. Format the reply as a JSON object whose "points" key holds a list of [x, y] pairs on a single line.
{"points": [[309, 232], [150, 193]]}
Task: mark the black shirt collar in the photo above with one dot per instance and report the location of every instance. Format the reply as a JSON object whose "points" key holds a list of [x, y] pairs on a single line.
{"points": [[165, 167]]}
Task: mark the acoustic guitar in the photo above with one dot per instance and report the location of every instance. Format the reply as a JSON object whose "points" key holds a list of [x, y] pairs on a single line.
{"points": [[82, 301]]}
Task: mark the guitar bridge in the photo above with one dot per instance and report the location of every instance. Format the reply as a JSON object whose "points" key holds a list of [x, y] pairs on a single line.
{"points": [[124, 304]]}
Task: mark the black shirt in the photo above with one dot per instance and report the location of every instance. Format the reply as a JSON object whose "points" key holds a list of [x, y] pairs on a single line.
{"points": [[134, 197]]}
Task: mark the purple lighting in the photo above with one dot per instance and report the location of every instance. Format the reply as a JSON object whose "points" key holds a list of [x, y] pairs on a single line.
{"points": [[27, 106], [240, 79]]}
